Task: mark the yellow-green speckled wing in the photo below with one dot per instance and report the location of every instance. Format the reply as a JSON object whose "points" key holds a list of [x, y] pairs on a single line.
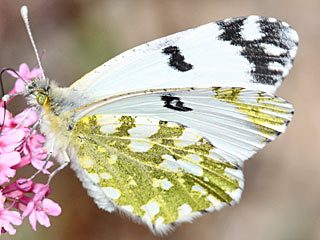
{"points": [[162, 171]]}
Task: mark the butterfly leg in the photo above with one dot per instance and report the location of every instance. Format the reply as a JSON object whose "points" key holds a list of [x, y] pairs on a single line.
{"points": [[29, 135], [23, 118], [62, 166], [44, 166]]}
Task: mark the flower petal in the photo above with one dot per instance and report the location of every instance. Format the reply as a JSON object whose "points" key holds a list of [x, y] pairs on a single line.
{"points": [[28, 210], [19, 86], [10, 159], [43, 218], [51, 208], [33, 220], [12, 217], [24, 71], [6, 173], [35, 72], [40, 190], [11, 139]]}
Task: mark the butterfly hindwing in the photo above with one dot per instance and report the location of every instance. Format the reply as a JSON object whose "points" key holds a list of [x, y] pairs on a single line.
{"points": [[253, 53], [157, 171], [169, 156]]}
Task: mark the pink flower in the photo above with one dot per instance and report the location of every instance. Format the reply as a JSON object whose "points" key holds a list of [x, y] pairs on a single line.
{"points": [[16, 130], [26, 74], [17, 189], [8, 160], [8, 217], [37, 153], [14, 155], [38, 208], [10, 139]]}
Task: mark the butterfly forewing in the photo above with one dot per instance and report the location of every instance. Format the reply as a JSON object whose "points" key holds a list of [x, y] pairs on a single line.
{"points": [[253, 52]]}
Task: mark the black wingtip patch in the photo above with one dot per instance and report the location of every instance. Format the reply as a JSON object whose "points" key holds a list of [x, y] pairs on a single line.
{"points": [[273, 34], [174, 103], [176, 60]]}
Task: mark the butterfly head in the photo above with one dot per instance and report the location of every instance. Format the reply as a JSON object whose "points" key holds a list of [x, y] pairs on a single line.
{"points": [[38, 91]]}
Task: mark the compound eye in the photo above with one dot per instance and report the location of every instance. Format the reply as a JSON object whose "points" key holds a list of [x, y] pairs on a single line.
{"points": [[41, 98]]}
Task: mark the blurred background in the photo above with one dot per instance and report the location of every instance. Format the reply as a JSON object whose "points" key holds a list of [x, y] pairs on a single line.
{"points": [[281, 199]]}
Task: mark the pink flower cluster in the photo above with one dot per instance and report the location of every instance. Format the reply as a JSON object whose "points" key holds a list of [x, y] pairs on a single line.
{"points": [[20, 147]]}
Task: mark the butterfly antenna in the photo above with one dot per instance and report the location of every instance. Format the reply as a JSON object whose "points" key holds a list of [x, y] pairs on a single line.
{"points": [[6, 97], [24, 14], [4, 103]]}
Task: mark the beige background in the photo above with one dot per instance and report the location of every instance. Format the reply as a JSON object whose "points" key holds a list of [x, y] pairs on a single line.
{"points": [[281, 199]]}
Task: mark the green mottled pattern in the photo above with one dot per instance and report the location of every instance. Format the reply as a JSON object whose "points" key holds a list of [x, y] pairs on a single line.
{"points": [[142, 178], [264, 112]]}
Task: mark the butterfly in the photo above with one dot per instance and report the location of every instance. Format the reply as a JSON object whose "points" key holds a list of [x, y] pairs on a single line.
{"points": [[161, 132]]}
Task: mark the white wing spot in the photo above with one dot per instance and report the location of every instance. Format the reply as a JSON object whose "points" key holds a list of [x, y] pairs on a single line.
{"points": [[170, 163], [132, 182], [112, 192], [105, 176], [273, 50], [293, 52], [129, 208], [278, 67], [109, 123], [188, 137], [191, 168], [195, 157], [108, 129], [251, 29], [140, 146], [113, 159], [156, 182], [165, 184], [294, 36], [145, 127], [174, 166], [200, 189], [235, 195], [172, 125], [159, 221], [107, 119], [272, 20], [151, 209], [87, 163], [184, 210], [285, 24], [214, 201]]}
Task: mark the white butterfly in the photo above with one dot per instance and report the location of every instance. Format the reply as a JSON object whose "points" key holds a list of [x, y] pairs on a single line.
{"points": [[161, 131]]}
